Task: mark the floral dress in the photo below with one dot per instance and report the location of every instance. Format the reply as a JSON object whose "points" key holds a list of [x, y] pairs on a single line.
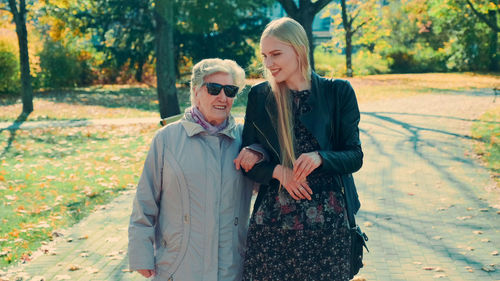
{"points": [[300, 240]]}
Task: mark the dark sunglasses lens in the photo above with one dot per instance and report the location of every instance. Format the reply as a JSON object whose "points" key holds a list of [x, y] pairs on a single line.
{"points": [[230, 91], [213, 88]]}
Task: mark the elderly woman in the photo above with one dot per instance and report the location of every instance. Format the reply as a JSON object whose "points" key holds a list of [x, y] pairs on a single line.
{"points": [[190, 212]]}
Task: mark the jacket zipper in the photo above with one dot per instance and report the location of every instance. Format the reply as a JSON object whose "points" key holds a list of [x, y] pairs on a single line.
{"points": [[268, 142]]}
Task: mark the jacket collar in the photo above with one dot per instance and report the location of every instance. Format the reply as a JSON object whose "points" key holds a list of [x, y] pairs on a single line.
{"points": [[193, 128]]}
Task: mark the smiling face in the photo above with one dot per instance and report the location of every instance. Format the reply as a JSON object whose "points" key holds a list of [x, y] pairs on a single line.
{"points": [[215, 109], [281, 60]]}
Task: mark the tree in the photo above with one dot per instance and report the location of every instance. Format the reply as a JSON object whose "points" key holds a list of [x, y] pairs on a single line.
{"points": [[353, 16], [487, 12], [19, 13], [165, 69], [304, 13]]}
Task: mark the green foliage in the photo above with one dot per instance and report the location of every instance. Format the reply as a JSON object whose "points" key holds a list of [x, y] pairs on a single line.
{"points": [[9, 69], [61, 67], [332, 64]]}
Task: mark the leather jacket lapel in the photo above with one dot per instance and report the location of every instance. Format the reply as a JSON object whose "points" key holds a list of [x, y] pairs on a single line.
{"points": [[317, 121]]}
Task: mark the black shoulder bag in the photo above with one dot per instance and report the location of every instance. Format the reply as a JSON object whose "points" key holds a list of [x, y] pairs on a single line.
{"points": [[358, 237]]}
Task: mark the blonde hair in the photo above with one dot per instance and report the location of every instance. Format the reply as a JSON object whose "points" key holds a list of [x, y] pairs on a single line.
{"points": [[290, 32], [208, 67]]}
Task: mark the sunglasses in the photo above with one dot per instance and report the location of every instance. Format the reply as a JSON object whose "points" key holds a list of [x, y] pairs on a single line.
{"points": [[215, 88]]}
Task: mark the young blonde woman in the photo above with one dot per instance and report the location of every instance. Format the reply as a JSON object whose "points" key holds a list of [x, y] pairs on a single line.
{"points": [[309, 128]]}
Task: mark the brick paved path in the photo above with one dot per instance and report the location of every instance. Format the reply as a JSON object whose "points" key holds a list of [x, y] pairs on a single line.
{"points": [[426, 204]]}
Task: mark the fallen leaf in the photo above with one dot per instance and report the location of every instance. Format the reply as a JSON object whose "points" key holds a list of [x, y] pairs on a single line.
{"points": [[84, 237], [488, 268], [57, 234], [74, 267], [439, 269]]}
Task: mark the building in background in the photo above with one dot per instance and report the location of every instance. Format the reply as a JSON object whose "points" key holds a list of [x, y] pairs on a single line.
{"points": [[321, 26]]}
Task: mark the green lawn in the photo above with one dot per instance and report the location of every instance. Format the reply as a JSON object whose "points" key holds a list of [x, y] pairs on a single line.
{"points": [[487, 133], [50, 178]]}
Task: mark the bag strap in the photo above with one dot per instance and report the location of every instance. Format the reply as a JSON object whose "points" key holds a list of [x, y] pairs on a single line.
{"points": [[350, 219]]}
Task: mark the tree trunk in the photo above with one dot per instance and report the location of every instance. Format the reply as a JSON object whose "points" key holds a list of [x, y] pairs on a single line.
{"points": [[165, 70], [348, 53], [307, 22], [22, 36], [346, 22], [493, 43], [139, 69]]}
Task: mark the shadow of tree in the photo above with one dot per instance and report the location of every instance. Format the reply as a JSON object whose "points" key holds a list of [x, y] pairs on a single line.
{"points": [[387, 122], [12, 129]]}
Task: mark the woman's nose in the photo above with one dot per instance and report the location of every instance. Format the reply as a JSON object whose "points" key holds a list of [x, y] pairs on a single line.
{"points": [[222, 95], [268, 62]]}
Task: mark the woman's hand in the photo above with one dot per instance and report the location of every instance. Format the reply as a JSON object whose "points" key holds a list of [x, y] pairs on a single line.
{"points": [[146, 272], [298, 190], [305, 164], [246, 159]]}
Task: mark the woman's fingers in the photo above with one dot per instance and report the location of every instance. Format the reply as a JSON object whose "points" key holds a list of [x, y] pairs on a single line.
{"points": [[292, 193], [304, 193], [249, 160], [237, 161], [146, 272], [246, 159], [305, 164]]}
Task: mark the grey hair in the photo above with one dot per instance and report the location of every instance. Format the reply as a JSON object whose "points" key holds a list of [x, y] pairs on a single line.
{"points": [[207, 67]]}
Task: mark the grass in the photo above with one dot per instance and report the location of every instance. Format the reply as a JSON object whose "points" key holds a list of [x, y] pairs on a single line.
{"points": [[50, 178], [487, 132], [375, 87]]}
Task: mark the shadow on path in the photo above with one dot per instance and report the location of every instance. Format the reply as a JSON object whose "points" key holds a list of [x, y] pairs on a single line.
{"points": [[12, 130]]}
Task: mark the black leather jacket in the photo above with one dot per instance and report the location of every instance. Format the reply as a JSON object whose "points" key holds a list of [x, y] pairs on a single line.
{"points": [[333, 121]]}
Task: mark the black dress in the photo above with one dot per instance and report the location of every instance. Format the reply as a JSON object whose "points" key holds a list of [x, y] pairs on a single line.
{"points": [[300, 240]]}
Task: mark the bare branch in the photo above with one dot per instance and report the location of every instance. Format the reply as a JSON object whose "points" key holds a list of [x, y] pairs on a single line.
{"points": [[289, 5], [13, 10], [320, 4], [482, 17], [359, 27]]}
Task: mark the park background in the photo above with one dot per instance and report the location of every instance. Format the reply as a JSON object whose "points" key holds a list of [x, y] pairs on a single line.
{"points": [[76, 61]]}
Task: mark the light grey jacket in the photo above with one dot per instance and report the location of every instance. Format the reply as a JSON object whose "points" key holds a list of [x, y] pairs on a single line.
{"points": [[191, 209]]}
